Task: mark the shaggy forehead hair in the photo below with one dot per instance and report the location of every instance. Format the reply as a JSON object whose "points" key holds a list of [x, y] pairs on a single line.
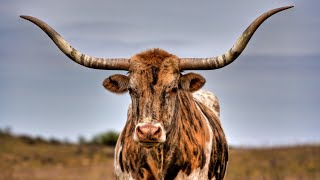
{"points": [[154, 59]]}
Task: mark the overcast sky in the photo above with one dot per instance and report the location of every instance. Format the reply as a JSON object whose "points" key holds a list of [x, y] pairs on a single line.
{"points": [[269, 95]]}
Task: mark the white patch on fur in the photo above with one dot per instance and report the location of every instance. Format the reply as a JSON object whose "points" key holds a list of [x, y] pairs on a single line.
{"points": [[198, 174], [117, 169], [203, 173], [208, 99]]}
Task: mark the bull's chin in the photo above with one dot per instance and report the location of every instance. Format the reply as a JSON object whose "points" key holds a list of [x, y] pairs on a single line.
{"points": [[149, 144]]}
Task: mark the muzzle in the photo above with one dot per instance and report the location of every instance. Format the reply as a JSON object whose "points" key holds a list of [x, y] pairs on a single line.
{"points": [[149, 134]]}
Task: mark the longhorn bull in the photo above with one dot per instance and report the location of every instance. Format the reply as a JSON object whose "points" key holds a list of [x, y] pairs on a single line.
{"points": [[173, 131]]}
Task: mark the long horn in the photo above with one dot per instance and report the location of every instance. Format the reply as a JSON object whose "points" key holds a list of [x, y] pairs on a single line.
{"points": [[227, 58], [75, 55]]}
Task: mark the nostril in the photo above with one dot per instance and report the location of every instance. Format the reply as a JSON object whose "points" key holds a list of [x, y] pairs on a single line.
{"points": [[157, 132], [139, 131]]}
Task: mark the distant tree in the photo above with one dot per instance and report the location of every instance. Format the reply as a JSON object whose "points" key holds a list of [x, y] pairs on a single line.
{"points": [[7, 131], [27, 139], [40, 139], [54, 141], [82, 140], [109, 138], [66, 141]]}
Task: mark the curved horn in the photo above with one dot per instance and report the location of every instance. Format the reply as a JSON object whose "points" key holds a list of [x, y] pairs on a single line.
{"points": [[227, 58], [75, 55]]}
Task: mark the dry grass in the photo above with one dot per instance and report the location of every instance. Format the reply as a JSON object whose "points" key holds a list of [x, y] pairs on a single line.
{"points": [[24, 159], [21, 159], [281, 163]]}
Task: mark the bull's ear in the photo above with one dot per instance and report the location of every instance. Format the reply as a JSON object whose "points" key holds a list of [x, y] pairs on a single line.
{"points": [[117, 83], [191, 82]]}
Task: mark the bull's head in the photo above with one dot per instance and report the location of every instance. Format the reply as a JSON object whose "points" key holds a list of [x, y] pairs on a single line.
{"points": [[154, 80]]}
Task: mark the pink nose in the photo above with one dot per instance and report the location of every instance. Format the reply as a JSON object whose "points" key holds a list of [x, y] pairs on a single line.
{"points": [[148, 133]]}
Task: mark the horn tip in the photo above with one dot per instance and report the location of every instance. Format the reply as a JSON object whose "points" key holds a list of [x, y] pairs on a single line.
{"points": [[24, 16], [27, 17], [288, 7]]}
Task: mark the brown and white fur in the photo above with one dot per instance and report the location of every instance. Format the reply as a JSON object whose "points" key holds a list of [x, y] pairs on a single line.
{"points": [[192, 144]]}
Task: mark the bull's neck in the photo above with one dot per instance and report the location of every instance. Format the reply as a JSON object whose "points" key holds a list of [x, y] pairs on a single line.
{"points": [[184, 150]]}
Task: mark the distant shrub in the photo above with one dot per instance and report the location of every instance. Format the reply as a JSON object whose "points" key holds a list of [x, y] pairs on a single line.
{"points": [[54, 141], [27, 139], [40, 139], [2, 132], [109, 138], [66, 141], [5, 131], [82, 140]]}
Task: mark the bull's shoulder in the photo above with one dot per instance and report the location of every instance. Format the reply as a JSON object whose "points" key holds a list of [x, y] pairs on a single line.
{"points": [[208, 99]]}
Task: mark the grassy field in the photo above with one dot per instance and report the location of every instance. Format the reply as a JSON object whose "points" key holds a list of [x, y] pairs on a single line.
{"points": [[289, 163], [25, 158]]}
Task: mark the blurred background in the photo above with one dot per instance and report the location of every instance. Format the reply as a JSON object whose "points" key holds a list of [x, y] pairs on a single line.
{"points": [[269, 96]]}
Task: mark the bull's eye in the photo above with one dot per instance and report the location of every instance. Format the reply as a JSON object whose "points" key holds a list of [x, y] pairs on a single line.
{"points": [[172, 92], [130, 90]]}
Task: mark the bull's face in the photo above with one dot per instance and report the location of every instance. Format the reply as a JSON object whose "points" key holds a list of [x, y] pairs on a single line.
{"points": [[154, 82]]}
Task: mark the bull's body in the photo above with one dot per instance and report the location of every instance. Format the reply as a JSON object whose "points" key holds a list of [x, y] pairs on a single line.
{"points": [[197, 148], [170, 133]]}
